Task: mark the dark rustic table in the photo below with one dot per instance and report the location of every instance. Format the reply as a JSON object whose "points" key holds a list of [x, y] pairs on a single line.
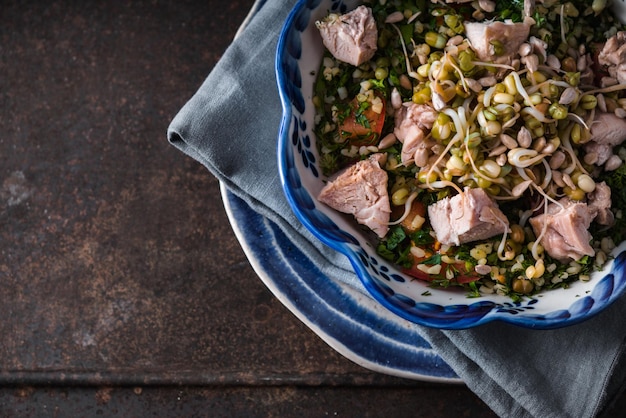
{"points": [[124, 291]]}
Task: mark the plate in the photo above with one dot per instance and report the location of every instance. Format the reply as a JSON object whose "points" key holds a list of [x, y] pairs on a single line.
{"points": [[353, 324], [349, 322]]}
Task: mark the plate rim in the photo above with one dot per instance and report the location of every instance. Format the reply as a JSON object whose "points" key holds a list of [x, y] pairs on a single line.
{"points": [[268, 280], [341, 344]]}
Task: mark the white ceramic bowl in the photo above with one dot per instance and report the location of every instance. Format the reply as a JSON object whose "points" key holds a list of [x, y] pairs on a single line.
{"points": [[298, 57]]}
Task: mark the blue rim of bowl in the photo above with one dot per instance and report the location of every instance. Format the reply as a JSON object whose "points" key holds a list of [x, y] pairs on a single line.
{"points": [[289, 50]]}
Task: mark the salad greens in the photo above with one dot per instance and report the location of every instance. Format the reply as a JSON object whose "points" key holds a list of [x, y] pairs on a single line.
{"points": [[424, 57]]}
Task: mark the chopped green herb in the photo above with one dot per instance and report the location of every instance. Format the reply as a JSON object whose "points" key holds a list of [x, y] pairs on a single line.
{"points": [[422, 237], [435, 259], [361, 119]]}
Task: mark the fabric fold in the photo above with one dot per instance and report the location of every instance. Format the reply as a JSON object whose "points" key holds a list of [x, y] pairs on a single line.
{"points": [[231, 126]]}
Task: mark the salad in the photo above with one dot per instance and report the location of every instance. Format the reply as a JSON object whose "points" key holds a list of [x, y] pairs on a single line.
{"points": [[480, 142]]}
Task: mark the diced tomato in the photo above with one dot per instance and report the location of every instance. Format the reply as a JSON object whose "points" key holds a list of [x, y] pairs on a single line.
{"points": [[417, 208], [363, 126], [466, 278], [419, 274], [463, 276]]}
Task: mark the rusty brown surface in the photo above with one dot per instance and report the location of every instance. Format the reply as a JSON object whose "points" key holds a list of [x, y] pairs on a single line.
{"points": [[123, 289]]}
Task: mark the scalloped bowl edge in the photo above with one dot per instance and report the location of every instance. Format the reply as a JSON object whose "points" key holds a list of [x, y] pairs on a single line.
{"points": [[406, 297]]}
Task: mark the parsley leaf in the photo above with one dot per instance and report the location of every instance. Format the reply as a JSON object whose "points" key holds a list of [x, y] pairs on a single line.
{"points": [[433, 260], [396, 247], [359, 114], [616, 180], [422, 237]]}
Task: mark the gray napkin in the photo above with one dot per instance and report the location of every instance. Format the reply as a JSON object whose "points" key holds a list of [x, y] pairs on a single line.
{"points": [[231, 126]]}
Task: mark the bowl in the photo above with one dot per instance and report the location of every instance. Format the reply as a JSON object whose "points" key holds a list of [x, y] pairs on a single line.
{"points": [[299, 54]]}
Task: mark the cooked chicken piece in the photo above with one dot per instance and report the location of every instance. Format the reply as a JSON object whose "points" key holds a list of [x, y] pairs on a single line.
{"points": [[351, 37], [599, 203], [566, 226], [361, 190], [412, 122], [466, 217], [600, 152], [508, 37], [613, 56], [607, 131]]}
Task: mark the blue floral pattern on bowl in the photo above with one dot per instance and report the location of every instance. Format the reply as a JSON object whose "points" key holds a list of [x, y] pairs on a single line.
{"points": [[298, 56]]}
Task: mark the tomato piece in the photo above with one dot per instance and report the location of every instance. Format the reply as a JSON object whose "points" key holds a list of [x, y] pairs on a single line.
{"points": [[413, 271], [466, 278], [463, 276], [417, 208], [363, 126]]}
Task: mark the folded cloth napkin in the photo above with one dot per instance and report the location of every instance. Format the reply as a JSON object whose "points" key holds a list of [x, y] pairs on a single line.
{"points": [[231, 126]]}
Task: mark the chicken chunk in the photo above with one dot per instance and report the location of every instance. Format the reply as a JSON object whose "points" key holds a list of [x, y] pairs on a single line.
{"points": [[566, 236], [351, 37], [607, 131], [508, 36], [361, 190], [466, 217], [412, 122], [596, 153], [613, 56], [599, 203]]}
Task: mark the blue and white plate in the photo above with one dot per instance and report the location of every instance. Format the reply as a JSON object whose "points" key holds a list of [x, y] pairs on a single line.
{"points": [[353, 324]]}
